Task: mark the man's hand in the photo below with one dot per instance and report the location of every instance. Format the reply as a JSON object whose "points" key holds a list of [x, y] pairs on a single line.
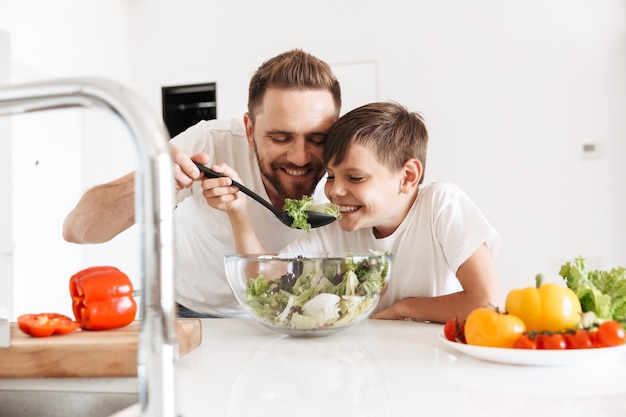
{"points": [[185, 171]]}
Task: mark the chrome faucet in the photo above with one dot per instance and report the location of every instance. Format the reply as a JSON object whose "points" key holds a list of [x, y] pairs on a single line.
{"points": [[154, 205]]}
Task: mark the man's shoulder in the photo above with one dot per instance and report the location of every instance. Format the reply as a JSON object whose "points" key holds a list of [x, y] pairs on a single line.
{"points": [[214, 130], [223, 127]]}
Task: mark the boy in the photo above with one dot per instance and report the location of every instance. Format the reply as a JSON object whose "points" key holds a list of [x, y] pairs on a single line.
{"points": [[443, 246]]}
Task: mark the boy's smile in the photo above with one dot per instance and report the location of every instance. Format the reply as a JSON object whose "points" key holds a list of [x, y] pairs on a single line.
{"points": [[367, 192]]}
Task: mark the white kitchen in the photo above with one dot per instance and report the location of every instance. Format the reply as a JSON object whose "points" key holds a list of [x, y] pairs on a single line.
{"points": [[524, 103]]}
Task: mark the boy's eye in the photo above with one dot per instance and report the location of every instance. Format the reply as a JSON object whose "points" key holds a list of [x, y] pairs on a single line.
{"points": [[357, 179]]}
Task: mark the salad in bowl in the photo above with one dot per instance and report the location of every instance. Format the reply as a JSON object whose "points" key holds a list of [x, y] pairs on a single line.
{"points": [[309, 294]]}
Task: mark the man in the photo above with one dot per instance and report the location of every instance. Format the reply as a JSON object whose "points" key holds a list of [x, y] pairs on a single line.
{"points": [[293, 100]]}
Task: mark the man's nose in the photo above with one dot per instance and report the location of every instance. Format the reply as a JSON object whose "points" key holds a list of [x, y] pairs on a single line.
{"points": [[299, 153]]}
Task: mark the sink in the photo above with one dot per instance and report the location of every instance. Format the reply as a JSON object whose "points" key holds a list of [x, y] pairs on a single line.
{"points": [[154, 207], [29, 403]]}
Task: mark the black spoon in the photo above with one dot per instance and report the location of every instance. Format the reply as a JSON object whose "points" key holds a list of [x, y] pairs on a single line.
{"points": [[315, 219]]}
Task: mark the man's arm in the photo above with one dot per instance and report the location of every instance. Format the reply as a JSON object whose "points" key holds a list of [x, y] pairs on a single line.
{"points": [[103, 212], [107, 210]]}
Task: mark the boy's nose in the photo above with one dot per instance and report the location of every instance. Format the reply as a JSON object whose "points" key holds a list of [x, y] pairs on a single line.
{"points": [[335, 188]]}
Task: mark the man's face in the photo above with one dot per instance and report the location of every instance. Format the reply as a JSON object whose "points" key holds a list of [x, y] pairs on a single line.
{"points": [[288, 137]]}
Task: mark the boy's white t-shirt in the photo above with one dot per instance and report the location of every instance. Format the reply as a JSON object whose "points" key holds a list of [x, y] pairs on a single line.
{"points": [[441, 231], [203, 235]]}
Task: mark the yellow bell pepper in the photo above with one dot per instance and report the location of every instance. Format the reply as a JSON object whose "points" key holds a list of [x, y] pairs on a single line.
{"points": [[548, 306]]}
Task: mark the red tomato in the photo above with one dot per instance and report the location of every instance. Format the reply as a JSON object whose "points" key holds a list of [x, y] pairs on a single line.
{"points": [[610, 333], [526, 341], [449, 330], [551, 341], [579, 339], [593, 336], [454, 330]]}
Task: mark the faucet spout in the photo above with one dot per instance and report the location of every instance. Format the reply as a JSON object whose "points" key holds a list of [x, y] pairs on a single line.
{"points": [[154, 202]]}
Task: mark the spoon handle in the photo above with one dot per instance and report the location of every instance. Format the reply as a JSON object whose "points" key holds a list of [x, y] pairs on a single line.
{"points": [[208, 172]]}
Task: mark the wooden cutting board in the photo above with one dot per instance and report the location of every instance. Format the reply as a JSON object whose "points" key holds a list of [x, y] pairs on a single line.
{"points": [[103, 353]]}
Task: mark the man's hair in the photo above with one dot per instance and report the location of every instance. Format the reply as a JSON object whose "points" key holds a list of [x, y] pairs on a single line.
{"points": [[388, 129], [293, 69]]}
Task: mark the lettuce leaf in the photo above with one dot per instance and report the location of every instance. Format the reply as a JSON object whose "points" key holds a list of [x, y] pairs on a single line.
{"points": [[327, 208], [298, 210], [323, 293], [602, 292]]}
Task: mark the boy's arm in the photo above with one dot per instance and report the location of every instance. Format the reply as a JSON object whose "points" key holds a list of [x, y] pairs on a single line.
{"points": [[221, 195], [246, 239], [479, 280]]}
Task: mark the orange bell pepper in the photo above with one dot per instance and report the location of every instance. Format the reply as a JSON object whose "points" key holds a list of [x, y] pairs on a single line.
{"points": [[46, 324], [102, 298], [487, 326]]}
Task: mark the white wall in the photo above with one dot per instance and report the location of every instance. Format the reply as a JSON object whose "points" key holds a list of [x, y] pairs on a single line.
{"points": [[57, 155], [510, 90], [6, 187]]}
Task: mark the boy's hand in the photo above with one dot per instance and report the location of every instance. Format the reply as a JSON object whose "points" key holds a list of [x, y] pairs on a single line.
{"points": [[387, 314], [221, 195]]}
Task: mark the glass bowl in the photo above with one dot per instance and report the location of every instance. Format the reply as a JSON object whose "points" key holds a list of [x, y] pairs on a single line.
{"points": [[308, 294]]}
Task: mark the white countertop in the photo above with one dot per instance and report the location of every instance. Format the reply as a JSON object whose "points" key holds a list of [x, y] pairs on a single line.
{"points": [[378, 368]]}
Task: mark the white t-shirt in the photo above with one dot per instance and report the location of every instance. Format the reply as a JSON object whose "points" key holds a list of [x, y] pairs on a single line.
{"points": [[203, 235], [440, 232]]}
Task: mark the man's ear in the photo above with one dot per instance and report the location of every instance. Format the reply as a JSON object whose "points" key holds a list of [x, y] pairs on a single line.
{"points": [[411, 174], [247, 122]]}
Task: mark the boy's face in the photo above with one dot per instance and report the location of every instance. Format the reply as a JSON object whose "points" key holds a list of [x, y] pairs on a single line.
{"points": [[368, 193], [288, 137]]}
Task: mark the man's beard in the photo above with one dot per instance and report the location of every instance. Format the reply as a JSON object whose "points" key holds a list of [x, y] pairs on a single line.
{"points": [[294, 190]]}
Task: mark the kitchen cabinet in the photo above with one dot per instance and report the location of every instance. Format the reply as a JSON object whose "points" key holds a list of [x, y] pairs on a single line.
{"points": [[185, 105]]}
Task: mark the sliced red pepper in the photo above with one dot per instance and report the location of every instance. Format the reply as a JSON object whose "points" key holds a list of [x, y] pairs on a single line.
{"points": [[102, 298], [46, 324]]}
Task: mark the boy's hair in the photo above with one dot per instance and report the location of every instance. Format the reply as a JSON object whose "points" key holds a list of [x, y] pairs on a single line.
{"points": [[393, 133], [293, 69]]}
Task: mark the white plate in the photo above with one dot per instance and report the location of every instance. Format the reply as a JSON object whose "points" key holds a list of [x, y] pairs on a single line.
{"points": [[536, 357]]}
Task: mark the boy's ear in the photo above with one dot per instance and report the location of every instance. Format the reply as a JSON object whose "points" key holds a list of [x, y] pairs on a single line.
{"points": [[411, 174]]}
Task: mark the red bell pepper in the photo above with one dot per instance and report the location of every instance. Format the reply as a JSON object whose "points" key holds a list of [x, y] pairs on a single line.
{"points": [[102, 298], [46, 324]]}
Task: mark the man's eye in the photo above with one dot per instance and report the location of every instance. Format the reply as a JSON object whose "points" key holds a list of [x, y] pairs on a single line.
{"points": [[317, 139], [280, 138]]}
